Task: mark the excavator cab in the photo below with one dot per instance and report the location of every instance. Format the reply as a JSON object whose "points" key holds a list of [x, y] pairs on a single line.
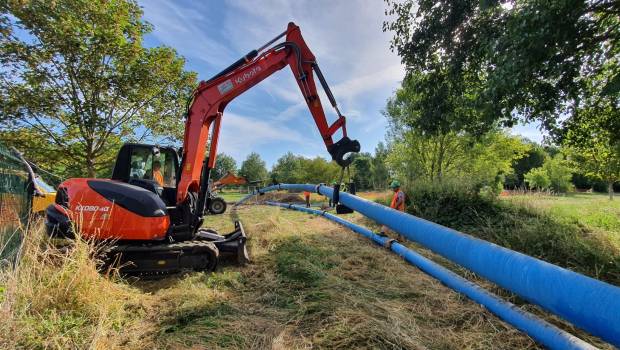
{"points": [[144, 165]]}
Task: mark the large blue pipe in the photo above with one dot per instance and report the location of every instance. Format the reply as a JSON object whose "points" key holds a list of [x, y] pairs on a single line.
{"points": [[540, 330], [588, 303]]}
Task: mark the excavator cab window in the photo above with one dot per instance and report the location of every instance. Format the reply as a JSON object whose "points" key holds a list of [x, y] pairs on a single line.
{"points": [[157, 165]]}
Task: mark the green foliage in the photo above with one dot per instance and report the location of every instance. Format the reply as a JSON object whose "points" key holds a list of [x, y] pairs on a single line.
{"points": [[223, 164], [482, 161], [449, 203], [432, 103], [530, 57], [538, 178], [560, 173], [367, 171], [287, 169], [297, 169], [555, 174], [79, 82], [317, 170], [418, 154], [380, 175], [362, 171], [253, 168], [533, 158], [594, 147]]}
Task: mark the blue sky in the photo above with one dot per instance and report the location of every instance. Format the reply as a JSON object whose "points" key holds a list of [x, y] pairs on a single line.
{"points": [[272, 119]]}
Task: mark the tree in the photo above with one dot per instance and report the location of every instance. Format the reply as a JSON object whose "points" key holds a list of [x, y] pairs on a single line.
{"points": [[318, 170], [595, 144], [533, 158], [522, 60], [253, 168], [594, 149], [537, 178], [555, 173], [362, 171], [224, 164], [432, 155], [287, 169], [80, 80], [560, 173], [380, 173]]}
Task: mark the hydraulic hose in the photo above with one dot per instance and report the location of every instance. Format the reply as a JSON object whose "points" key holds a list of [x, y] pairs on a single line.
{"points": [[540, 330], [587, 303]]}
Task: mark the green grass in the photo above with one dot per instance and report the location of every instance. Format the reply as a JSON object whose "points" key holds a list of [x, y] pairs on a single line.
{"points": [[230, 197], [593, 211]]}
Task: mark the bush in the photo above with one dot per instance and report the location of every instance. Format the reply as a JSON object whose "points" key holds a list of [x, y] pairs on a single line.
{"points": [[538, 179], [449, 203], [559, 173]]}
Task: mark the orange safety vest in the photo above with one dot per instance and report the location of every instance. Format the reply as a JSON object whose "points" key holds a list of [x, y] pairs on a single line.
{"points": [[401, 206], [158, 177], [306, 194]]}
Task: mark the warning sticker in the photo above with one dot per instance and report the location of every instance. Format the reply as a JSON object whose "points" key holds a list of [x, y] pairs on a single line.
{"points": [[225, 87]]}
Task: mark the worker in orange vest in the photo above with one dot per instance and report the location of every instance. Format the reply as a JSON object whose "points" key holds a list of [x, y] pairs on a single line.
{"points": [[307, 196], [157, 175], [398, 203]]}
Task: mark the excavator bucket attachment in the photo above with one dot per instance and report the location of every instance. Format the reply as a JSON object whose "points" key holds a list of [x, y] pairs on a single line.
{"points": [[231, 245]]}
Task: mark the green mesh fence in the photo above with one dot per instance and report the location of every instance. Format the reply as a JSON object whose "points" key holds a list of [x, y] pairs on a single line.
{"points": [[15, 204]]}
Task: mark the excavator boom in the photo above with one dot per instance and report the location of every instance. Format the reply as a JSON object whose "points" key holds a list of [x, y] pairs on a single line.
{"points": [[212, 96]]}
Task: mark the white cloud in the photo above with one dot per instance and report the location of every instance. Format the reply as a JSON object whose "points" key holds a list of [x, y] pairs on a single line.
{"points": [[183, 28], [346, 38]]}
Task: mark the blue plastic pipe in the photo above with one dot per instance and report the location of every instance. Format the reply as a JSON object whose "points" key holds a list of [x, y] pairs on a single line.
{"points": [[540, 330], [588, 303]]}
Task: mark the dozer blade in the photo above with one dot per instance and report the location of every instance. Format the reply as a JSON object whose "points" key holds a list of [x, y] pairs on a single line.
{"points": [[162, 259], [232, 244]]}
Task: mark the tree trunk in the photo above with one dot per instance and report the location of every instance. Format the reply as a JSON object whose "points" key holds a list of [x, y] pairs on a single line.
{"points": [[90, 167], [610, 190], [90, 164]]}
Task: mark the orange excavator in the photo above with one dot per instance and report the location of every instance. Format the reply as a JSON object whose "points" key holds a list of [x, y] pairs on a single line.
{"points": [[152, 209]]}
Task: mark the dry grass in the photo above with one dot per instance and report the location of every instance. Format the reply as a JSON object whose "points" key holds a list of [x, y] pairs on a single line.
{"points": [[56, 299], [312, 284]]}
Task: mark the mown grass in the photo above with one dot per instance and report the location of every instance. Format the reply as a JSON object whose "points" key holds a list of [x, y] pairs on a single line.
{"points": [[593, 211], [312, 284]]}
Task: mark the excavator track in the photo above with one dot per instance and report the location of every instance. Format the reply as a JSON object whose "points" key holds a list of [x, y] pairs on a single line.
{"points": [[158, 260]]}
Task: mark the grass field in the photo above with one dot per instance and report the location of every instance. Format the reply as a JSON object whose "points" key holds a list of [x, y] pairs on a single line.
{"points": [[593, 211], [231, 197], [311, 284]]}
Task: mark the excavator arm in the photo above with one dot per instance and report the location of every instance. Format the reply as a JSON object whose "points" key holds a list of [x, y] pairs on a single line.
{"points": [[211, 97]]}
